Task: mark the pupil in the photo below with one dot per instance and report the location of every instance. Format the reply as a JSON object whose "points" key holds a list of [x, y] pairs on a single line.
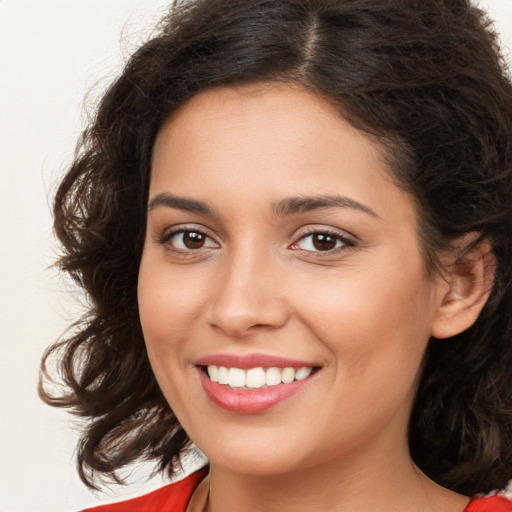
{"points": [[193, 240], [324, 242]]}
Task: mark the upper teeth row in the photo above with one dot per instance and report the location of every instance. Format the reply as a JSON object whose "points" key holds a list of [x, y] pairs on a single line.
{"points": [[254, 378]]}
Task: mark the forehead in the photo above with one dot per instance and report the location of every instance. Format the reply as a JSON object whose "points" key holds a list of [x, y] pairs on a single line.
{"points": [[269, 140]]}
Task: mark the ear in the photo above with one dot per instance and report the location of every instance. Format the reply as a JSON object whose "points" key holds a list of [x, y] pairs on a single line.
{"points": [[464, 286]]}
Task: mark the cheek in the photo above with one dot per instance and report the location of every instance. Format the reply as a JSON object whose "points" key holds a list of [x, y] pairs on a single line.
{"points": [[374, 321], [377, 339], [168, 302], [158, 303], [359, 303], [164, 336]]}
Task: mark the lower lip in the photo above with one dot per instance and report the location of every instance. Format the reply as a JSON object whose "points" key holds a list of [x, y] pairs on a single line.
{"points": [[249, 401]]}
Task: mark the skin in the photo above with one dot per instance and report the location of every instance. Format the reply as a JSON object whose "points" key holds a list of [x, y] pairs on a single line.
{"points": [[362, 313]]}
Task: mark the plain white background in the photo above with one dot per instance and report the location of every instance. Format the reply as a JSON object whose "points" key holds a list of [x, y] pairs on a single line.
{"points": [[53, 53]]}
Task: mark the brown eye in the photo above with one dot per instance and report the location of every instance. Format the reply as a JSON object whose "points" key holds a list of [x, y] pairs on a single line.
{"points": [[323, 242], [193, 240], [189, 240]]}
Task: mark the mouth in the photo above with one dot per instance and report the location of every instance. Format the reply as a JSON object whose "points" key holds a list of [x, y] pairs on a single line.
{"points": [[255, 378], [254, 384]]}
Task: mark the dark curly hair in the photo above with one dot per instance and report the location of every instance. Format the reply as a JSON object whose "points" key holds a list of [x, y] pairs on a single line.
{"points": [[423, 77]]}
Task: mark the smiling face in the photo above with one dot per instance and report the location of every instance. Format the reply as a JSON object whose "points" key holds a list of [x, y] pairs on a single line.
{"points": [[276, 239]]}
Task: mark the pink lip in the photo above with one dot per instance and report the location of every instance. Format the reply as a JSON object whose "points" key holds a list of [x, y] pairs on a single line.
{"points": [[251, 361], [249, 401]]}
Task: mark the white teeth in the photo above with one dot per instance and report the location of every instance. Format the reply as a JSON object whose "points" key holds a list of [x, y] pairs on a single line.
{"points": [[213, 373], [273, 376], [223, 375], [288, 375], [302, 373], [236, 378], [255, 378]]}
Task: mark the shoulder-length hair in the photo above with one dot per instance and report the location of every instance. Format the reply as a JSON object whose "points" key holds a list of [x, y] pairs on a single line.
{"points": [[426, 79]]}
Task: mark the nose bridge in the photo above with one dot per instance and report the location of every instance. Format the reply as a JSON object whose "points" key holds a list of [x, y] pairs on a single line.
{"points": [[248, 294]]}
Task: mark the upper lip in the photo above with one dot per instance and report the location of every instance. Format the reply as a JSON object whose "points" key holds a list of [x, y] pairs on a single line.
{"points": [[245, 362]]}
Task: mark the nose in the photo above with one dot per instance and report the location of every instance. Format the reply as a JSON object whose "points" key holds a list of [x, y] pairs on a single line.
{"points": [[248, 297]]}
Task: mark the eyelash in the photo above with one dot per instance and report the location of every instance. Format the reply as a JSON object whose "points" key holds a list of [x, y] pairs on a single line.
{"points": [[167, 237], [344, 242]]}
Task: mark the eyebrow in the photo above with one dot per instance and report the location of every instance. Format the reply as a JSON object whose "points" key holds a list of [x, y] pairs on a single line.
{"points": [[283, 208], [292, 205], [180, 203]]}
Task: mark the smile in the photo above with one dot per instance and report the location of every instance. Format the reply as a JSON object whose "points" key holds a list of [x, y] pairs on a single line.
{"points": [[253, 383], [256, 389], [256, 378]]}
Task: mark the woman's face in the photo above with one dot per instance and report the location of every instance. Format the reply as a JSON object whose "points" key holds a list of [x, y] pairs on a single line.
{"points": [[276, 239]]}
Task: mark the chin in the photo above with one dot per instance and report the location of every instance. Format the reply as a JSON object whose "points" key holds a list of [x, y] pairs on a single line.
{"points": [[257, 464], [263, 456]]}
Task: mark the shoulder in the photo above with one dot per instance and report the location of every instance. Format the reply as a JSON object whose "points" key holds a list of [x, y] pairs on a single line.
{"points": [[173, 497]]}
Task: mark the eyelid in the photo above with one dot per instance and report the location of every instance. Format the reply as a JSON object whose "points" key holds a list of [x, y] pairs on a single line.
{"points": [[347, 241], [172, 231]]}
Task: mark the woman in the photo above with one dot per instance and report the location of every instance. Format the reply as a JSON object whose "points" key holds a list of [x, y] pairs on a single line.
{"points": [[293, 221]]}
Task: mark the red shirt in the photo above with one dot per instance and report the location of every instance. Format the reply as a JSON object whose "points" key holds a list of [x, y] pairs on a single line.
{"points": [[175, 497], [496, 503], [170, 498]]}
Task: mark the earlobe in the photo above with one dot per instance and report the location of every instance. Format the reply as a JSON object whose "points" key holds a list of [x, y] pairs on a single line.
{"points": [[467, 285]]}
